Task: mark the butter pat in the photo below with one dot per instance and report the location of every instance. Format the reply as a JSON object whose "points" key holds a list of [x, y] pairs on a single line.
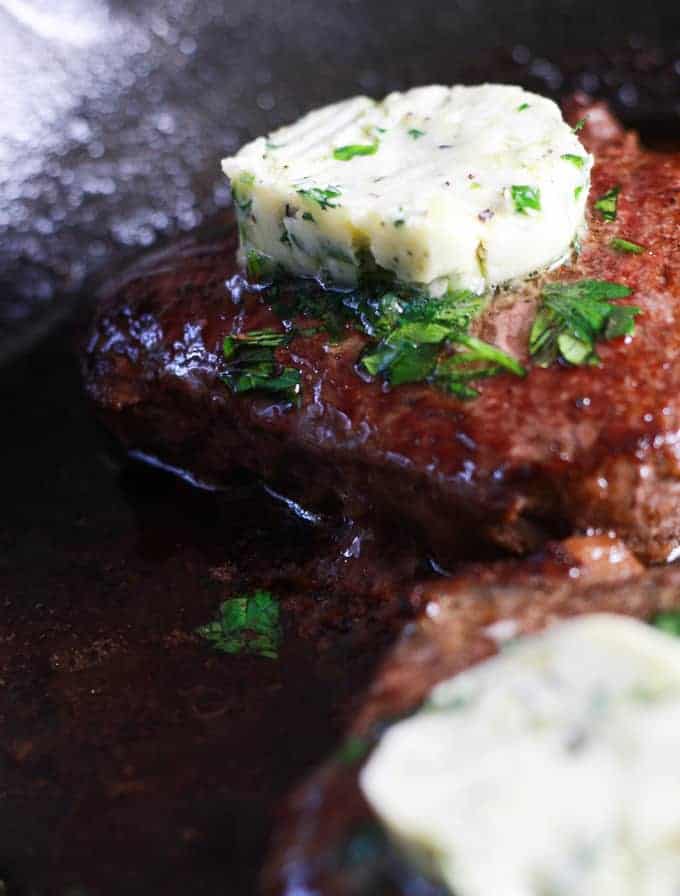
{"points": [[463, 186], [550, 769]]}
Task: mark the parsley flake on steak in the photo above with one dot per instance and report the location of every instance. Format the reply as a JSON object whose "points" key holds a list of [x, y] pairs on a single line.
{"points": [[574, 316], [252, 365], [607, 204]]}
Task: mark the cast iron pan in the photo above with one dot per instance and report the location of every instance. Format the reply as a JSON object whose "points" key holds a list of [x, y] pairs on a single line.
{"points": [[132, 759]]}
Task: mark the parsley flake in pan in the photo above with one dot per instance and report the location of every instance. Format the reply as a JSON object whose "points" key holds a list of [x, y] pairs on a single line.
{"points": [[246, 624]]}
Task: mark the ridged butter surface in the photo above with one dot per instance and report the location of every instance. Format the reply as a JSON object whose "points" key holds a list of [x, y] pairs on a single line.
{"points": [[550, 770], [479, 185]]}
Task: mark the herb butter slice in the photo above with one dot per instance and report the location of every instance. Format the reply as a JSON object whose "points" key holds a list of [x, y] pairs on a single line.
{"points": [[462, 186], [550, 770]]}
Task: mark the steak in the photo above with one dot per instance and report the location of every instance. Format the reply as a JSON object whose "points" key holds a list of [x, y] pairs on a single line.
{"points": [[328, 843], [565, 449]]}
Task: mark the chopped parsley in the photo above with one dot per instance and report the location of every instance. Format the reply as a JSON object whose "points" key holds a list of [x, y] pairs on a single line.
{"points": [[578, 161], [477, 360], [399, 222], [525, 197], [574, 316], [621, 245], [308, 216], [258, 265], [668, 621], [245, 180], [241, 193], [577, 192], [414, 337], [428, 339], [522, 107], [322, 197], [309, 301], [580, 124], [251, 365], [243, 203], [415, 133], [246, 624], [607, 204], [345, 153], [352, 750]]}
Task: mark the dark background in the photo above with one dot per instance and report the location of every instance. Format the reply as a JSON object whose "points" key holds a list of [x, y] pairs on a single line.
{"points": [[131, 759]]}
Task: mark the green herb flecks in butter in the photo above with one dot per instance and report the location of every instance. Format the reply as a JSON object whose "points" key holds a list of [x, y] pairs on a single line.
{"points": [[525, 197], [578, 161], [258, 265], [557, 756], [323, 197], [359, 165], [345, 153]]}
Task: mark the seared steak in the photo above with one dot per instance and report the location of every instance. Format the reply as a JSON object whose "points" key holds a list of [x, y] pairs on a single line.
{"points": [[328, 843], [565, 449]]}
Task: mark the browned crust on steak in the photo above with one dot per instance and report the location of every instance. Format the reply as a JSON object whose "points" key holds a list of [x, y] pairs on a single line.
{"points": [[451, 634], [565, 449]]}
